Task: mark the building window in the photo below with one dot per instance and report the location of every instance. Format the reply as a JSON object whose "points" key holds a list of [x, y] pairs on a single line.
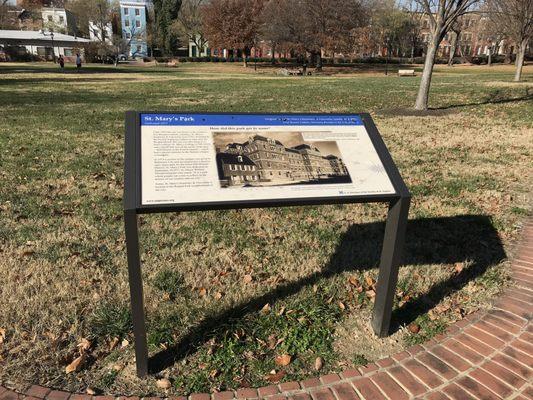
{"points": [[50, 18], [127, 22], [126, 11], [69, 52], [138, 24], [139, 48], [137, 11], [61, 19], [128, 35]]}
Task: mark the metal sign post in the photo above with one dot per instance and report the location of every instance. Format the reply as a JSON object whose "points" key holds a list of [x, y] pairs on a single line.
{"points": [[398, 199]]}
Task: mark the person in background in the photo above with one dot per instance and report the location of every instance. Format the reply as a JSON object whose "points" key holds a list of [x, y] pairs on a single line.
{"points": [[78, 61], [61, 61]]}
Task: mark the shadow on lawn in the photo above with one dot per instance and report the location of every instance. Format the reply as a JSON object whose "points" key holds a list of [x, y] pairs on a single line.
{"points": [[85, 70], [492, 99], [445, 240]]}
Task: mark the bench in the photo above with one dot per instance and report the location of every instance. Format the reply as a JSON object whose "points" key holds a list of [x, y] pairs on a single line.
{"points": [[406, 72]]}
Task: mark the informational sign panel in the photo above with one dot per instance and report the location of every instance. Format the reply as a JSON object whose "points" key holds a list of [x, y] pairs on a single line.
{"points": [[199, 158], [196, 162]]}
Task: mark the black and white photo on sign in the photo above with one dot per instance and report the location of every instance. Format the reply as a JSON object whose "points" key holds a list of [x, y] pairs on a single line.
{"points": [[277, 159]]}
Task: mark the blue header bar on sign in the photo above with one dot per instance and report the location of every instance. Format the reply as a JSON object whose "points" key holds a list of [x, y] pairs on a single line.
{"points": [[249, 119]]}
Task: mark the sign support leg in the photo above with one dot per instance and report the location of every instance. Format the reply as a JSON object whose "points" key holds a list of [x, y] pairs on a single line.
{"points": [[391, 254], [136, 292]]}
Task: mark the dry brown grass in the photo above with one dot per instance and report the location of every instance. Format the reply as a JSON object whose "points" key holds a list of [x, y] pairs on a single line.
{"points": [[61, 241]]}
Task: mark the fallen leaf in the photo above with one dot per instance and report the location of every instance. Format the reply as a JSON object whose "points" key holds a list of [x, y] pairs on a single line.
{"points": [[370, 281], [266, 308], [202, 292], [163, 383], [90, 391], [280, 312], [319, 363], [458, 266], [354, 281], [217, 296], [248, 278], [371, 293], [2, 335], [342, 306], [275, 377], [113, 343], [283, 360], [76, 364], [125, 343], [414, 328], [84, 345]]}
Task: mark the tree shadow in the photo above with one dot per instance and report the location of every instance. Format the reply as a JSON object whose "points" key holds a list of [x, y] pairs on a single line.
{"points": [[445, 240], [492, 99], [87, 69]]}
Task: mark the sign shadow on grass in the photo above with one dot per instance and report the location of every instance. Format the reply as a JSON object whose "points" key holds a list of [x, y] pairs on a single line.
{"points": [[447, 240]]}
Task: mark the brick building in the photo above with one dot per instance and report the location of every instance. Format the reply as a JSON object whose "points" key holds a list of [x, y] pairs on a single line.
{"points": [[276, 163], [473, 39]]}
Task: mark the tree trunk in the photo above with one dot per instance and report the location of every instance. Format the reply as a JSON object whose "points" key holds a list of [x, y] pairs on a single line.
{"points": [[273, 59], [319, 61], [453, 47], [413, 54], [520, 60], [423, 92], [508, 58], [489, 61]]}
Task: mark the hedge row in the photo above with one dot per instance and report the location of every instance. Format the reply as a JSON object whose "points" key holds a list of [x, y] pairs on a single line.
{"points": [[283, 60], [482, 59]]}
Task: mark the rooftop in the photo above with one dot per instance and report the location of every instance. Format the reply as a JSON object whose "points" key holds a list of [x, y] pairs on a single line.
{"points": [[37, 35]]}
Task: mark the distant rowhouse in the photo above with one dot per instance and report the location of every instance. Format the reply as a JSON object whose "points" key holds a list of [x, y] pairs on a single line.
{"points": [[134, 20]]}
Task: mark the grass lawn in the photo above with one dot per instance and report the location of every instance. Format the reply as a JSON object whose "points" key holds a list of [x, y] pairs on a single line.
{"points": [[228, 293]]}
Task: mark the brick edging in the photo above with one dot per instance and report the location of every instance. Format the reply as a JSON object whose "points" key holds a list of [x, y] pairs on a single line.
{"points": [[487, 355]]}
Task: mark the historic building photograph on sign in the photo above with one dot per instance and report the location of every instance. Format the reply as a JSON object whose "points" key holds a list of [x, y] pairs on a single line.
{"points": [[277, 159]]}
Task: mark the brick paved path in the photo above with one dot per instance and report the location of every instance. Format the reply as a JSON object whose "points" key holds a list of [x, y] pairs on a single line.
{"points": [[485, 356]]}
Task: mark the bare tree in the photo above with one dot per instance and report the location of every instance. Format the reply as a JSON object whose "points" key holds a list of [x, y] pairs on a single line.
{"points": [[312, 26], [5, 18], [233, 24], [515, 19], [275, 25], [455, 35], [442, 15], [189, 22]]}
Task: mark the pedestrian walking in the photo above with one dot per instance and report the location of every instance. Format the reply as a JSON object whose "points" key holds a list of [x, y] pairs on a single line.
{"points": [[61, 61], [78, 61]]}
